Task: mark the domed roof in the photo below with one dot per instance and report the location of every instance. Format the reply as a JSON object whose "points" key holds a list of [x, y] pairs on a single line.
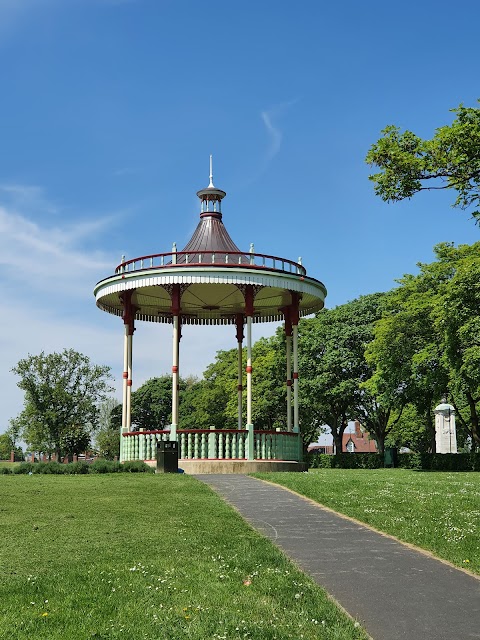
{"points": [[211, 240], [443, 406]]}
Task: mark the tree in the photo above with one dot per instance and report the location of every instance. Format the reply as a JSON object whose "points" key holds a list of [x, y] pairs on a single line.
{"points": [[7, 445], [409, 431], [333, 365], [427, 343], [457, 318], [62, 394], [450, 160], [269, 402], [152, 403], [214, 399], [108, 435]]}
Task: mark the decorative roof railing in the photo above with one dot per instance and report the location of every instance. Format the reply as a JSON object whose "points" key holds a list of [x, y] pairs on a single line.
{"points": [[229, 259]]}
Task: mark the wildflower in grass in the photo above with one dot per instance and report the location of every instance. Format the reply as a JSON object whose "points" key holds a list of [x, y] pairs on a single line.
{"points": [[466, 561], [44, 614], [247, 582]]}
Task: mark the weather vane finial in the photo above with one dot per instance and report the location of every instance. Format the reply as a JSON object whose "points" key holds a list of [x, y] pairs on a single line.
{"points": [[211, 173]]}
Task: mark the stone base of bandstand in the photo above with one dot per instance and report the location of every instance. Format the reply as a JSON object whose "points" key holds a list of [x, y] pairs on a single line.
{"points": [[194, 467]]}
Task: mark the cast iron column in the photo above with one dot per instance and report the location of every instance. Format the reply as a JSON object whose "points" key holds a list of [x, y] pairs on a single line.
{"points": [[176, 357], [240, 337]]}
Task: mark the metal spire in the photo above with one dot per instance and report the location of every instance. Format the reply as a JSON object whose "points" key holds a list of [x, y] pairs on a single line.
{"points": [[211, 185]]}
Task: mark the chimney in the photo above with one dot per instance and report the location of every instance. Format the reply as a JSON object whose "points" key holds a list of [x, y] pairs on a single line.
{"points": [[358, 431]]}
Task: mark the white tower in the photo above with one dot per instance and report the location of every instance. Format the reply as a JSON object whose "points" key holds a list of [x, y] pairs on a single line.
{"points": [[445, 432]]}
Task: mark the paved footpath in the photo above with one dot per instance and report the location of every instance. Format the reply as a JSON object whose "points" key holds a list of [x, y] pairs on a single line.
{"points": [[397, 593]]}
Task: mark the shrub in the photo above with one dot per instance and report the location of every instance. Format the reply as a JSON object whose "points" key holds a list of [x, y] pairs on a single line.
{"points": [[475, 461], [81, 467], [24, 467], [136, 466], [104, 466], [77, 468], [346, 461], [50, 468]]}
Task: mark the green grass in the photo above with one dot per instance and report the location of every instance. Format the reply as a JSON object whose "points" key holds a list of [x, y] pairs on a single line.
{"points": [[147, 557], [439, 512]]}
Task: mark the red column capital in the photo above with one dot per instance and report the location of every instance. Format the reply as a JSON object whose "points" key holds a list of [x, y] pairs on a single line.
{"points": [[249, 298], [239, 323], [295, 308], [129, 310], [176, 296]]}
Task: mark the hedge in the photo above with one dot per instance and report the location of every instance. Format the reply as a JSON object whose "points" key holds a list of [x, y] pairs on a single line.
{"points": [[440, 461], [77, 468], [415, 461]]}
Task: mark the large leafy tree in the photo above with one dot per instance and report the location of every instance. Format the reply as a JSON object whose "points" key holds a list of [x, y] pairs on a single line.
{"points": [[62, 395], [427, 343], [333, 365], [457, 318], [152, 403], [213, 400], [269, 407], [450, 160], [7, 445], [405, 356], [107, 438], [409, 430]]}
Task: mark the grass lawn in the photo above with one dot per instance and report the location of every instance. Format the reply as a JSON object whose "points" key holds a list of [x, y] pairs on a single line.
{"points": [[439, 512], [155, 557]]}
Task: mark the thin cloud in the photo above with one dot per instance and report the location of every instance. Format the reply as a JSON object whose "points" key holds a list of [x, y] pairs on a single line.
{"points": [[275, 134], [36, 254]]}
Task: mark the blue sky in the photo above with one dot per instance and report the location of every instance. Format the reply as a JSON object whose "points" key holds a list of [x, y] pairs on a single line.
{"points": [[109, 110]]}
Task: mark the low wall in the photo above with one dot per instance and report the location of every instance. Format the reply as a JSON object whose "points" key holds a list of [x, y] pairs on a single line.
{"points": [[194, 467]]}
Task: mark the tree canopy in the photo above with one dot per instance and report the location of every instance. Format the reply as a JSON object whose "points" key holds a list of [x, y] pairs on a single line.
{"points": [[7, 445], [107, 437], [427, 344], [449, 160], [152, 403], [333, 365], [62, 395]]}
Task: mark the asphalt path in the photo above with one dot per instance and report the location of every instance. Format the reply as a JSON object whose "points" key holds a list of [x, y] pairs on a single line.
{"points": [[394, 591]]}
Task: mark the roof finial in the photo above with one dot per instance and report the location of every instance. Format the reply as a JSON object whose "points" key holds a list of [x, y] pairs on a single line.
{"points": [[211, 174]]}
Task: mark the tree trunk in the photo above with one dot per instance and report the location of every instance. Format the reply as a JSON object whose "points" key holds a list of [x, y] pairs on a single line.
{"points": [[380, 438], [473, 421], [337, 442], [337, 433], [430, 424]]}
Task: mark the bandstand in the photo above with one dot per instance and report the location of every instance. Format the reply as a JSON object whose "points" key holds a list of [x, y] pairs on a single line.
{"points": [[212, 282]]}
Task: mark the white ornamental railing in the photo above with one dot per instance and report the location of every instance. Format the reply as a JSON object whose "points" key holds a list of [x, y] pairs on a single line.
{"points": [[214, 444], [209, 258]]}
